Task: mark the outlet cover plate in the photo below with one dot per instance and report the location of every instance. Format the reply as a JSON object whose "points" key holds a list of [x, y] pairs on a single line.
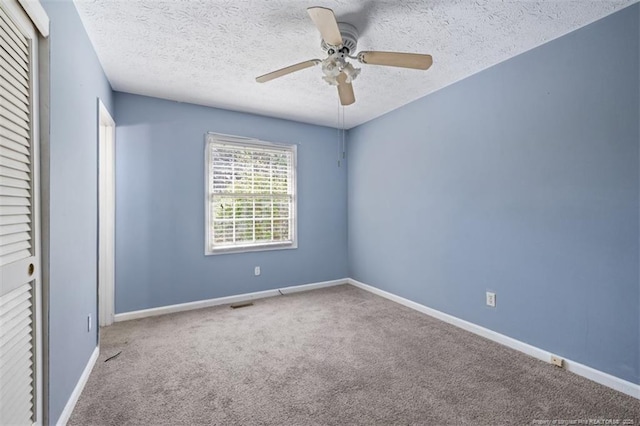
{"points": [[491, 299]]}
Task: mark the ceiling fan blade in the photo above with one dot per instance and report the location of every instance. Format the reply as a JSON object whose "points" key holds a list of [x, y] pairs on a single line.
{"points": [[287, 70], [396, 59], [345, 90], [326, 22]]}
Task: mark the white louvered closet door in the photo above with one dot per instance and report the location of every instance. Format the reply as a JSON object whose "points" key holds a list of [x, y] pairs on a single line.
{"points": [[19, 263]]}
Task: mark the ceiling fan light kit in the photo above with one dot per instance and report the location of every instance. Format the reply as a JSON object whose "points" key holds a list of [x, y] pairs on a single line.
{"points": [[339, 40]]}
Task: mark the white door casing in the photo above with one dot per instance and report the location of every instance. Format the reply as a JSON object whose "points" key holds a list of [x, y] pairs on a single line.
{"points": [[20, 277], [106, 216]]}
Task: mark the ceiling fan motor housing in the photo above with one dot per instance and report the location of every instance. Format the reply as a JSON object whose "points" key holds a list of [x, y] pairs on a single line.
{"points": [[349, 35]]}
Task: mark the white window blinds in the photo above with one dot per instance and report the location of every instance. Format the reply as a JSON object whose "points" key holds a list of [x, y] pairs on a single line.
{"points": [[251, 194]]}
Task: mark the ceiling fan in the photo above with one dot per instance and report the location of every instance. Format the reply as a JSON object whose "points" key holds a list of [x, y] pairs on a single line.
{"points": [[339, 39]]}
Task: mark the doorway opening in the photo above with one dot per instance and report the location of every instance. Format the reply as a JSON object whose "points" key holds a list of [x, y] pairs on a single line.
{"points": [[106, 216]]}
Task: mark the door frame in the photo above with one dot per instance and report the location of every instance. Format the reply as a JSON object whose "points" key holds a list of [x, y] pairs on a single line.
{"points": [[106, 216]]}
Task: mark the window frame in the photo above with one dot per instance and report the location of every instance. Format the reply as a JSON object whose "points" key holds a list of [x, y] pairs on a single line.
{"points": [[212, 138]]}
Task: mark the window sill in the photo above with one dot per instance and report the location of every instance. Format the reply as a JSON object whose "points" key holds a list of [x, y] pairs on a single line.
{"points": [[251, 248]]}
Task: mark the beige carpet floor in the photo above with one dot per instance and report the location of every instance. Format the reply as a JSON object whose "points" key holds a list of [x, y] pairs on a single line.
{"points": [[333, 356]]}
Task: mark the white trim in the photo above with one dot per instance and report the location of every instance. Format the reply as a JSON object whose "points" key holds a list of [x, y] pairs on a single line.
{"points": [[75, 395], [597, 376], [37, 211], [106, 215], [37, 15], [312, 286], [126, 316]]}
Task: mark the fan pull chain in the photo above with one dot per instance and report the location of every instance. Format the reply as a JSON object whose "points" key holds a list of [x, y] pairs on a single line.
{"points": [[344, 143], [339, 137]]}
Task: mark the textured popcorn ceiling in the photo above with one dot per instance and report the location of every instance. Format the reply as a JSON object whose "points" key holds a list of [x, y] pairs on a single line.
{"points": [[210, 51]]}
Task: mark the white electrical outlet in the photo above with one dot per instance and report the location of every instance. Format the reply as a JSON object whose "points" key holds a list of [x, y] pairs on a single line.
{"points": [[491, 299], [256, 271], [89, 322]]}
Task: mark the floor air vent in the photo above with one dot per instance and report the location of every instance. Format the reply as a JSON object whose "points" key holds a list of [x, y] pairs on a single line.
{"points": [[241, 305]]}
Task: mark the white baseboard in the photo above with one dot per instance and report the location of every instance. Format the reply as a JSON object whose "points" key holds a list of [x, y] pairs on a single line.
{"points": [[75, 395], [126, 316], [597, 376]]}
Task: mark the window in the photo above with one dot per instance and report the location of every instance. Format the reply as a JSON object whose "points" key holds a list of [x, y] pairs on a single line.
{"points": [[251, 195]]}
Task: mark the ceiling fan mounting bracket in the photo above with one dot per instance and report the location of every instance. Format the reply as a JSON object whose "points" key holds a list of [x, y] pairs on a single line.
{"points": [[349, 35]]}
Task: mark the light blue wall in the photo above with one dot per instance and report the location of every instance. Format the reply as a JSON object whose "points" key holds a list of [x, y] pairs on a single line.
{"points": [[160, 206], [76, 80], [522, 179]]}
